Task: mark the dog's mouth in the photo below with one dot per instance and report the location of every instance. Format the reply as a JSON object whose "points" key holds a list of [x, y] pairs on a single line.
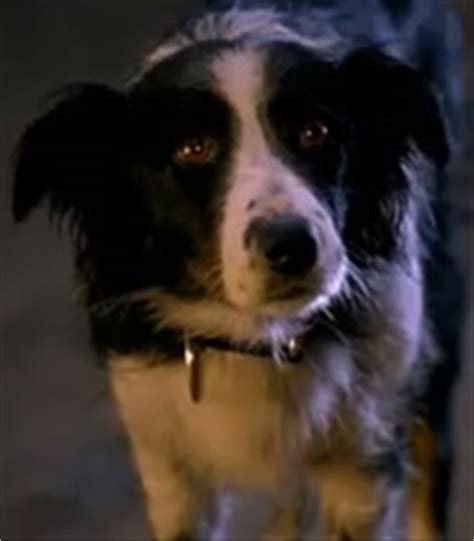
{"points": [[293, 293], [277, 320], [264, 293], [293, 299]]}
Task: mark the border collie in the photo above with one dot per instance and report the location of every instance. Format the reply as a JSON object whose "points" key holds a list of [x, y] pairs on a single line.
{"points": [[258, 225]]}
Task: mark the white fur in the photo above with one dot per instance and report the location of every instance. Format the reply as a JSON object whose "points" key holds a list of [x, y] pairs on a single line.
{"points": [[258, 26], [260, 178], [242, 435]]}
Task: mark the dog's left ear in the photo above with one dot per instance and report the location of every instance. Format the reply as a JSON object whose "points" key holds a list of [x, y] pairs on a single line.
{"points": [[393, 103]]}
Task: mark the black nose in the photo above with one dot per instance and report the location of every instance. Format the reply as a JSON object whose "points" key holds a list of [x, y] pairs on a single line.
{"points": [[285, 242]]}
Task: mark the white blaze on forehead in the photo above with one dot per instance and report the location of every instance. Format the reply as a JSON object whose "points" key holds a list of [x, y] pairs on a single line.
{"points": [[239, 76]]}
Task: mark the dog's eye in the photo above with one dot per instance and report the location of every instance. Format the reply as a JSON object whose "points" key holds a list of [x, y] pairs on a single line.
{"points": [[195, 151], [313, 135]]}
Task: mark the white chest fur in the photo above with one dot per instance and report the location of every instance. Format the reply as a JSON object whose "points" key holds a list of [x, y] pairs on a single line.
{"points": [[239, 430], [244, 432]]}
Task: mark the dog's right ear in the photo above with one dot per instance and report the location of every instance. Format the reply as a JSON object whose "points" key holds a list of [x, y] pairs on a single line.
{"points": [[72, 154]]}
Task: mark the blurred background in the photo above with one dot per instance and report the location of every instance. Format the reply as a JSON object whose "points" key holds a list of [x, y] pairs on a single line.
{"points": [[65, 472]]}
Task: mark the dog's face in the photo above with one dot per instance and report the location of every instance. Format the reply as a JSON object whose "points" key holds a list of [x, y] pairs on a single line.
{"points": [[242, 157], [248, 176]]}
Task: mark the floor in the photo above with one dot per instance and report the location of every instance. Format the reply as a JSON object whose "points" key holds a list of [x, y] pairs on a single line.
{"points": [[65, 472]]}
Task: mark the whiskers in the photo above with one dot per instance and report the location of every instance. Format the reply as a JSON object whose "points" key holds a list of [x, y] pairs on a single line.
{"points": [[356, 292], [329, 322]]}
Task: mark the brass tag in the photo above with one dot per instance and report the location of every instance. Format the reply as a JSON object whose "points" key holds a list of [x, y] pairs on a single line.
{"points": [[192, 362]]}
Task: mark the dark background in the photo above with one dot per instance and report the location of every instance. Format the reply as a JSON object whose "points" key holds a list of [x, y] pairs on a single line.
{"points": [[65, 470]]}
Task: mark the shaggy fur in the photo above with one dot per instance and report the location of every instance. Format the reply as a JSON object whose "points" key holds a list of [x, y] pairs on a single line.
{"points": [[254, 221]]}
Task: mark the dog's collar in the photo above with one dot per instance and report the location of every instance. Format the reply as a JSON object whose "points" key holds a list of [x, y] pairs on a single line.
{"points": [[289, 353], [179, 344]]}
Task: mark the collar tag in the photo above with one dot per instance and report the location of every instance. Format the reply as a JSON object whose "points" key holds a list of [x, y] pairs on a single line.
{"points": [[192, 363]]}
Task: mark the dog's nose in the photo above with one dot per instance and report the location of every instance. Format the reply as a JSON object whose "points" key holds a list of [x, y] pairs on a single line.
{"points": [[285, 242]]}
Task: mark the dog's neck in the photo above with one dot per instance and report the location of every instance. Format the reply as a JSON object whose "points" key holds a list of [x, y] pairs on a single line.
{"points": [[192, 349]]}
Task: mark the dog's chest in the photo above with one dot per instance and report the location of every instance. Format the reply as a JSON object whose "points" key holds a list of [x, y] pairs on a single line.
{"points": [[243, 429], [245, 443]]}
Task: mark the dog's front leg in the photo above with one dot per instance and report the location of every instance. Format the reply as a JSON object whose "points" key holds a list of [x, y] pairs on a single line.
{"points": [[359, 505], [152, 425], [391, 522], [386, 523], [170, 501]]}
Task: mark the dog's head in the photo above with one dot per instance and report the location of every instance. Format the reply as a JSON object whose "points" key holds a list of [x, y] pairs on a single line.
{"points": [[240, 174]]}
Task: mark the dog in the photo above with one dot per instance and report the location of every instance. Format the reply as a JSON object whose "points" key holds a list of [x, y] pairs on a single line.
{"points": [[258, 221]]}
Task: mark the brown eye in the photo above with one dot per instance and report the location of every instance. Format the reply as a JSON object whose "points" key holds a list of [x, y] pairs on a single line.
{"points": [[196, 151], [313, 135]]}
